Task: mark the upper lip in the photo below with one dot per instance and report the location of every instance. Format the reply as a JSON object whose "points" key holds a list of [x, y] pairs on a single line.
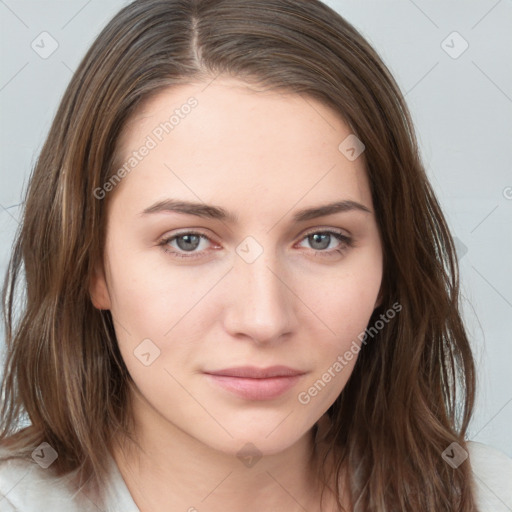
{"points": [[252, 372]]}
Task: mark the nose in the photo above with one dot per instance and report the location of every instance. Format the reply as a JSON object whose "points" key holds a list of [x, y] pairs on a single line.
{"points": [[261, 305]]}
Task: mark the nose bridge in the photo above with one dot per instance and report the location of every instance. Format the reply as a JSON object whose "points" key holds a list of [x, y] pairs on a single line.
{"points": [[261, 303]]}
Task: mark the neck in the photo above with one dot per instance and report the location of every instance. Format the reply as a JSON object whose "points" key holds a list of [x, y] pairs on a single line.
{"points": [[169, 468]]}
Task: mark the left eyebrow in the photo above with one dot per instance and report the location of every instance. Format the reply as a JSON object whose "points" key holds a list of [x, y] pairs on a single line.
{"points": [[329, 209]]}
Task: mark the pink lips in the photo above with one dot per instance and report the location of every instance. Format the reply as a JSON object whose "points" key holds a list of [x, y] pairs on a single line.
{"points": [[254, 383]]}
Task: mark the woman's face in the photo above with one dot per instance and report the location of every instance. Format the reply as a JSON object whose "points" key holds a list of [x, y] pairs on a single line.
{"points": [[236, 291]]}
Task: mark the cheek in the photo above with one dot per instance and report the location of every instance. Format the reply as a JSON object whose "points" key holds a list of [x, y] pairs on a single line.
{"points": [[159, 316], [150, 298], [344, 298], [176, 306], [343, 308]]}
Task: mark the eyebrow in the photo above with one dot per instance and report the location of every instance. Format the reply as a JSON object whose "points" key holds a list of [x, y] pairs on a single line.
{"points": [[219, 213]]}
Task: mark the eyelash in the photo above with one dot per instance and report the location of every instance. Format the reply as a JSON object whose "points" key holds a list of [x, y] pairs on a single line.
{"points": [[345, 240]]}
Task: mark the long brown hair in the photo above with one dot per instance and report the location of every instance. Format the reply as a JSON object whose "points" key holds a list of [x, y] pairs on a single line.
{"points": [[412, 389]]}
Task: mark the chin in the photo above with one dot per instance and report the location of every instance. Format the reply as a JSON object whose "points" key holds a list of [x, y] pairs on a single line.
{"points": [[265, 438]]}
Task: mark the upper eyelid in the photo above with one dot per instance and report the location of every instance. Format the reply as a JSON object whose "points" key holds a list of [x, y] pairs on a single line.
{"points": [[201, 234], [325, 230]]}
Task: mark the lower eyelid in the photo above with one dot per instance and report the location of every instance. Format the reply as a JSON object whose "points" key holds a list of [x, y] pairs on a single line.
{"points": [[344, 240], [167, 240]]}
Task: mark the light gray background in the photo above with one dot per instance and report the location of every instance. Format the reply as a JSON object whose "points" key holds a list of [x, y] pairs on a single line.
{"points": [[462, 109]]}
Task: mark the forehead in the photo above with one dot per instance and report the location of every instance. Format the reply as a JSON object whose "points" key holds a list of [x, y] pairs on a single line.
{"points": [[221, 139]]}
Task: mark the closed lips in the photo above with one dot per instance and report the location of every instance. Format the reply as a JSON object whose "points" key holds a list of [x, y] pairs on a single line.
{"points": [[250, 383], [248, 372]]}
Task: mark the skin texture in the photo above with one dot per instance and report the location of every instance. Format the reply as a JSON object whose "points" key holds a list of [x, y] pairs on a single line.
{"points": [[262, 156]]}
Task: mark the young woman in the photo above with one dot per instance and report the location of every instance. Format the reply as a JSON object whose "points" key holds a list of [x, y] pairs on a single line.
{"points": [[240, 291]]}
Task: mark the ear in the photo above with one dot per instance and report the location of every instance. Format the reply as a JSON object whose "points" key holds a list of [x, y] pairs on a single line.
{"points": [[98, 289]]}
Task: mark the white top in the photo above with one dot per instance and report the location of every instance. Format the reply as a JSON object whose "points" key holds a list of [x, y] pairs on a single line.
{"points": [[27, 487]]}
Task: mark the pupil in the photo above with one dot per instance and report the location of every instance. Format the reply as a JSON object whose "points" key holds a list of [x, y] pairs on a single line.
{"points": [[323, 245], [191, 242]]}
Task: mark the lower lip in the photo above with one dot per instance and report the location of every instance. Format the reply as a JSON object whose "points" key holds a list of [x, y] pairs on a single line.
{"points": [[255, 389]]}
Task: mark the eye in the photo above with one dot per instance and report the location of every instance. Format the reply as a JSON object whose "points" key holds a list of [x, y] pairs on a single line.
{"points": [[188, 244], [322, 240]]}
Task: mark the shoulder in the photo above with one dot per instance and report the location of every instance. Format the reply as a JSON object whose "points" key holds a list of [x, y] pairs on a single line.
{"points": [[25, 486], [492, 471]]}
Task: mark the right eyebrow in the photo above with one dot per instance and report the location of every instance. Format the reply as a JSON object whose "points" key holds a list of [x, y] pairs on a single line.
{"points": [[191, 208]]}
